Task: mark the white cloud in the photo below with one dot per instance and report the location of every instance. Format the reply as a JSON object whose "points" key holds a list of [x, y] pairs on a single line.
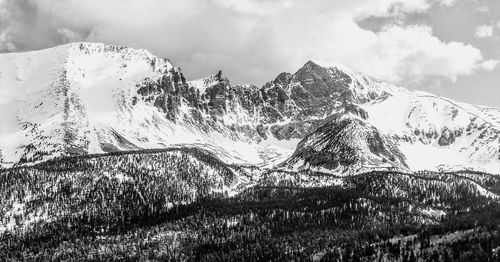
{"points": [[484, 31], [2, 7], [401, 54], [69, 35], [252, 7], [5, 30], [483, 9], [252, 40], [398, 7], [5, 43], [445, 2], [489, 65]]}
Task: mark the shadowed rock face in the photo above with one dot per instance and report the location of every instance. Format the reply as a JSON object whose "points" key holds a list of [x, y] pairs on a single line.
{"points": [[313, 89], [321, 84], [304, 98], [307, 105], [446, 138], [346, 143]]}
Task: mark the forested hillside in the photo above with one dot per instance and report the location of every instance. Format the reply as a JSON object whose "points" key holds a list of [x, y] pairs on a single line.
{"points": [[185, 204]]}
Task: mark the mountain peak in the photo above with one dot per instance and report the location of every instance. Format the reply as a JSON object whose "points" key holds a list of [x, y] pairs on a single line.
{"points": [[334, 65], [311, 63], [344, 143], [66, 51]]}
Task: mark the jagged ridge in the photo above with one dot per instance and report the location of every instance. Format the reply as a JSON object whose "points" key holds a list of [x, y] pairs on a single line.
{"points": [[91, 98]]}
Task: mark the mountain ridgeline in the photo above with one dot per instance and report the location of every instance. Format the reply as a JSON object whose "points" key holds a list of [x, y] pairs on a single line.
{"points": [[91, 98], [111, 154]]}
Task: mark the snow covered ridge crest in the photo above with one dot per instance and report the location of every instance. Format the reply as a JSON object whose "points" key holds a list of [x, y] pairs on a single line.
{"points": [[86, 98]]}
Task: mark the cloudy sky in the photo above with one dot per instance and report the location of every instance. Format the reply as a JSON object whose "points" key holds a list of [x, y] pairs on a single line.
{"points": [[448, 47]]}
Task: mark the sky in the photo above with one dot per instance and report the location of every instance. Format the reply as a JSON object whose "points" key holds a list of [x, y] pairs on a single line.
{"points": [[447, 47]]}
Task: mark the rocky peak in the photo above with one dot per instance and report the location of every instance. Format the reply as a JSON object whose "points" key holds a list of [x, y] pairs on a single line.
{"points": [[283, 80], [346, 143], [318, 83], [311, 65]]}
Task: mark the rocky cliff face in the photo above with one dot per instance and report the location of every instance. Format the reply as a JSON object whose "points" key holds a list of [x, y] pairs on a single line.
{"points": [[346, 144], [289, 107], [92, 98]]}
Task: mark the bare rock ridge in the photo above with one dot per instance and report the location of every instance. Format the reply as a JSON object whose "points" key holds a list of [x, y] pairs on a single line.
{"points": [[347, 143], [92, 98]]}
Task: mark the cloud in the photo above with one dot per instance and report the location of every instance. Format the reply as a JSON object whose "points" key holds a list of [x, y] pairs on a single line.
{"points": [[398, 8], [29, 24], [484, 31], [489, 65], [252, 7], [483, 9], [250, 40], [409, 55], [400, 59]]}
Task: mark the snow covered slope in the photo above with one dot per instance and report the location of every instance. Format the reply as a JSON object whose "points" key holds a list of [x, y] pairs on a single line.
{"points": [[430, 131], [91, 98]]}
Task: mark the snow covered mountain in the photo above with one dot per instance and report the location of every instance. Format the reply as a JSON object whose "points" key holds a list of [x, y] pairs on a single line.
{"points": [[91, 98], [411, 130]]}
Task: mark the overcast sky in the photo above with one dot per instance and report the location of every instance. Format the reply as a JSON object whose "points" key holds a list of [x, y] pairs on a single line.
{"points": [[449, 47]]}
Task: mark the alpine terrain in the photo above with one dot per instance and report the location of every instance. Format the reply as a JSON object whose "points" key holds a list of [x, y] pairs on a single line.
{"points": [[111, 153]]}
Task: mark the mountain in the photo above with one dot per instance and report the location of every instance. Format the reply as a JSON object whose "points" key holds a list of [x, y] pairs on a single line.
{"points": [[347, 144], [86, 98], [423, 131], [91, 98]]}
